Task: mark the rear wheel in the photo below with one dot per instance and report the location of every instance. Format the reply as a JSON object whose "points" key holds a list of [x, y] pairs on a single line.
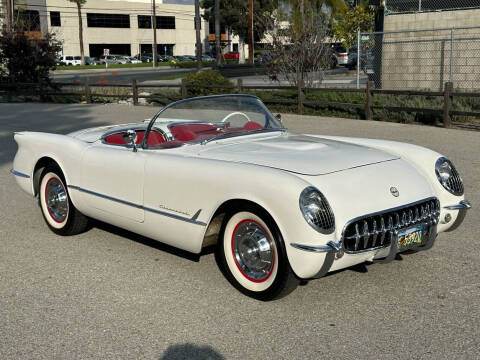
{"points": [[58, 210], [252, 255]]}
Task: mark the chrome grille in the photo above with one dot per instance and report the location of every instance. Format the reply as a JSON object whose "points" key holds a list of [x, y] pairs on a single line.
{"points": [[377, 230], [455, 183]]}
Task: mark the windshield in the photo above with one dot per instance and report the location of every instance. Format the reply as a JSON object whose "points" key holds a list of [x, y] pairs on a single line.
{"points": [[209, 118]]}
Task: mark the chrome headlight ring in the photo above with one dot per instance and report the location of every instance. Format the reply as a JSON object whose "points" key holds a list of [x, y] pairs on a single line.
{"points": [[317, 211], [449, 177]]}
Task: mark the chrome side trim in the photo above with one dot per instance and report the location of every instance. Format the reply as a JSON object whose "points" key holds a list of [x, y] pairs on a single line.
{"points": [[330, 247], [464, 204], [192, 220], [18, 173]]}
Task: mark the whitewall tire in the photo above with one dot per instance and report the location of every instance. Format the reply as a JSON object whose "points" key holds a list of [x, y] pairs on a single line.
{"points": [[58, 210], [252, 255]]}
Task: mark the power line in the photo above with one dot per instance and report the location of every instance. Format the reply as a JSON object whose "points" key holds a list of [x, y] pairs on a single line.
{"points": [[51, 7]]}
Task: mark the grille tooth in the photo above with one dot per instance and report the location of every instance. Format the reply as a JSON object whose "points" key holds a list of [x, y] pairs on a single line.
{"points": [[383, 231], [366, 234], [372, 231], [375, 233], [357, 236]]}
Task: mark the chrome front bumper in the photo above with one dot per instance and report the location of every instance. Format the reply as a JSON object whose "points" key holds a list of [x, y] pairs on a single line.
{"points": [[462, 207], [335, 250]]}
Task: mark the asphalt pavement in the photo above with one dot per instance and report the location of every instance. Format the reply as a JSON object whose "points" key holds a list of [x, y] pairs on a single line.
{"points": [[110, 294]]}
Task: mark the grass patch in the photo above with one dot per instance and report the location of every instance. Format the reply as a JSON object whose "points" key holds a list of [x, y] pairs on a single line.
{"points": [[111, 66]]}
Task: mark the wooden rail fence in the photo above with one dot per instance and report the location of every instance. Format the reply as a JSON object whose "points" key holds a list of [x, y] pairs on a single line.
{"points": [[369, 107]]}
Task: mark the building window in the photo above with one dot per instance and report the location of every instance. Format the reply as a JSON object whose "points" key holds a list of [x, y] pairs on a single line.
{"points": [[144, 22], [108, 20], [28, 20], [163, 22], [55, 18]]}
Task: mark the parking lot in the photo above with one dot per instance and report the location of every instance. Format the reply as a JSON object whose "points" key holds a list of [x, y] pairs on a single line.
{"points": [[110, 294]]}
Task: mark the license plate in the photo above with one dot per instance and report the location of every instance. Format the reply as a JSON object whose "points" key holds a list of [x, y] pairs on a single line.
{"points": [[410, 237]]}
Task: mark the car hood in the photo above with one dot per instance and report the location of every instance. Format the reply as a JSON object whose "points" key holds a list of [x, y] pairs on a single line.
{"points": [[301, 154]]}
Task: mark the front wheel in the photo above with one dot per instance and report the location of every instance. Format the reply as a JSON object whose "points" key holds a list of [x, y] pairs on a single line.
{"points": [[58, 210], [252, 256]]}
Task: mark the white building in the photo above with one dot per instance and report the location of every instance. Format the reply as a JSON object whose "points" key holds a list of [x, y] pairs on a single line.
{"points": [[122, 26]]}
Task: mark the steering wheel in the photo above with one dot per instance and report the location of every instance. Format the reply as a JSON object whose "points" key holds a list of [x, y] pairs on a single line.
{"points": [[235, 113]]}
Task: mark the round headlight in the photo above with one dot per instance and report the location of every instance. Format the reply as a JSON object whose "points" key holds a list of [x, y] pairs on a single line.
{"points": [[317, 211], [448, 176]]}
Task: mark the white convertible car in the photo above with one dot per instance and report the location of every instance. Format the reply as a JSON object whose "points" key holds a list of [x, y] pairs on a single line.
{"points": [[222, 170]]}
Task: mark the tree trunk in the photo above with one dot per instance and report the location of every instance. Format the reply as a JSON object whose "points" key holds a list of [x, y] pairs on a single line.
{"points": [[197, 32], [250, 32], [217, 32], [80, 32], [241, 51]]}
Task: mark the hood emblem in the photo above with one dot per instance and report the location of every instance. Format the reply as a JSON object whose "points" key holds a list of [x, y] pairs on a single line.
{"points": [[394, 191]]}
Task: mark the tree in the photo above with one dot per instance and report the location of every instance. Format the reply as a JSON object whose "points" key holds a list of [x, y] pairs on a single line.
{"points": [[80, 3], [234, 14], [28, 60], [360, 18], [300, 52]]}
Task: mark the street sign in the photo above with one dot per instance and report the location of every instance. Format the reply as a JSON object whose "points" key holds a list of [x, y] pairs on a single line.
{"points": [[365, 37], [106, 52]]}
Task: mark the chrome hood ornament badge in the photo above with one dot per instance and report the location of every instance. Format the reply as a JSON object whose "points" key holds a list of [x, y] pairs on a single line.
{"points": [[394, 191]]}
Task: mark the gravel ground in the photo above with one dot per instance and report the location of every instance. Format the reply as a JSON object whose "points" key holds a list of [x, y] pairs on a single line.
{"points": [[109, 294]]}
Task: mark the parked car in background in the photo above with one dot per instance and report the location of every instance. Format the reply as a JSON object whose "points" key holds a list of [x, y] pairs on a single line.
{"points": [[341, 54], [232, 55], [133, 60], [145, 57], [122, 59], [366, 60], [107, 59], [207, 58], [90, 61], [71, 60], [59, 61]]}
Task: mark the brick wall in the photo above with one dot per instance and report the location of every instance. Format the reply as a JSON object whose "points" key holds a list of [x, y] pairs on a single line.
{"points": [[421, 60]]}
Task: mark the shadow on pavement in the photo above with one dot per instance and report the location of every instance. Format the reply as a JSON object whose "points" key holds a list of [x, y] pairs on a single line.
{"points": [[151, 243], [190, 352], [53, 118]]}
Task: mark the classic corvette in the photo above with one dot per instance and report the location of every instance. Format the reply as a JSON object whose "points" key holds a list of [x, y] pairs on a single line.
{"points": [[222, 170]]}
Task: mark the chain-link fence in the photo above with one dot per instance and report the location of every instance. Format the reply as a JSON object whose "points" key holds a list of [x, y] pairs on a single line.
{"points": [[410, 6], [420, 59]]}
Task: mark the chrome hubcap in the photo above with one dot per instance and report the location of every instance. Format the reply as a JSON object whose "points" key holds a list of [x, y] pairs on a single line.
{"points": [[253, 251], [57, 200]]}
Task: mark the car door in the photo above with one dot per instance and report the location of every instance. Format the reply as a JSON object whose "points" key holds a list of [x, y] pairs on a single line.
{"points": [[112, 180]]}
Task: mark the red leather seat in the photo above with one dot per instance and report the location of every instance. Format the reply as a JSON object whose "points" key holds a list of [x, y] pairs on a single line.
{"points": [[182, 133], [154, 138], [252, 125]]}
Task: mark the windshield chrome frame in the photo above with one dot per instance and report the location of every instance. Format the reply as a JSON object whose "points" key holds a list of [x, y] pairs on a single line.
{"points": [[144, 144]]}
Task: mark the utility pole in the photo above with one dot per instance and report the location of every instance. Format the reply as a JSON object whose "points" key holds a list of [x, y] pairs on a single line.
{"points": [[217, 32], [250, 31], [154, 26], [9, 15], [197, 31]]}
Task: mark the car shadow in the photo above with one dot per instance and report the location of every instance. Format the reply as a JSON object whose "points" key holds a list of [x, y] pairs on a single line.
{"points": [[150, 242], [190, 352], [50, 118]]}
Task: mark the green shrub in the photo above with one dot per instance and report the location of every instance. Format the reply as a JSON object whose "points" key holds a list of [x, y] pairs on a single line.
{"points": [[188, 64], [196, 83]]}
